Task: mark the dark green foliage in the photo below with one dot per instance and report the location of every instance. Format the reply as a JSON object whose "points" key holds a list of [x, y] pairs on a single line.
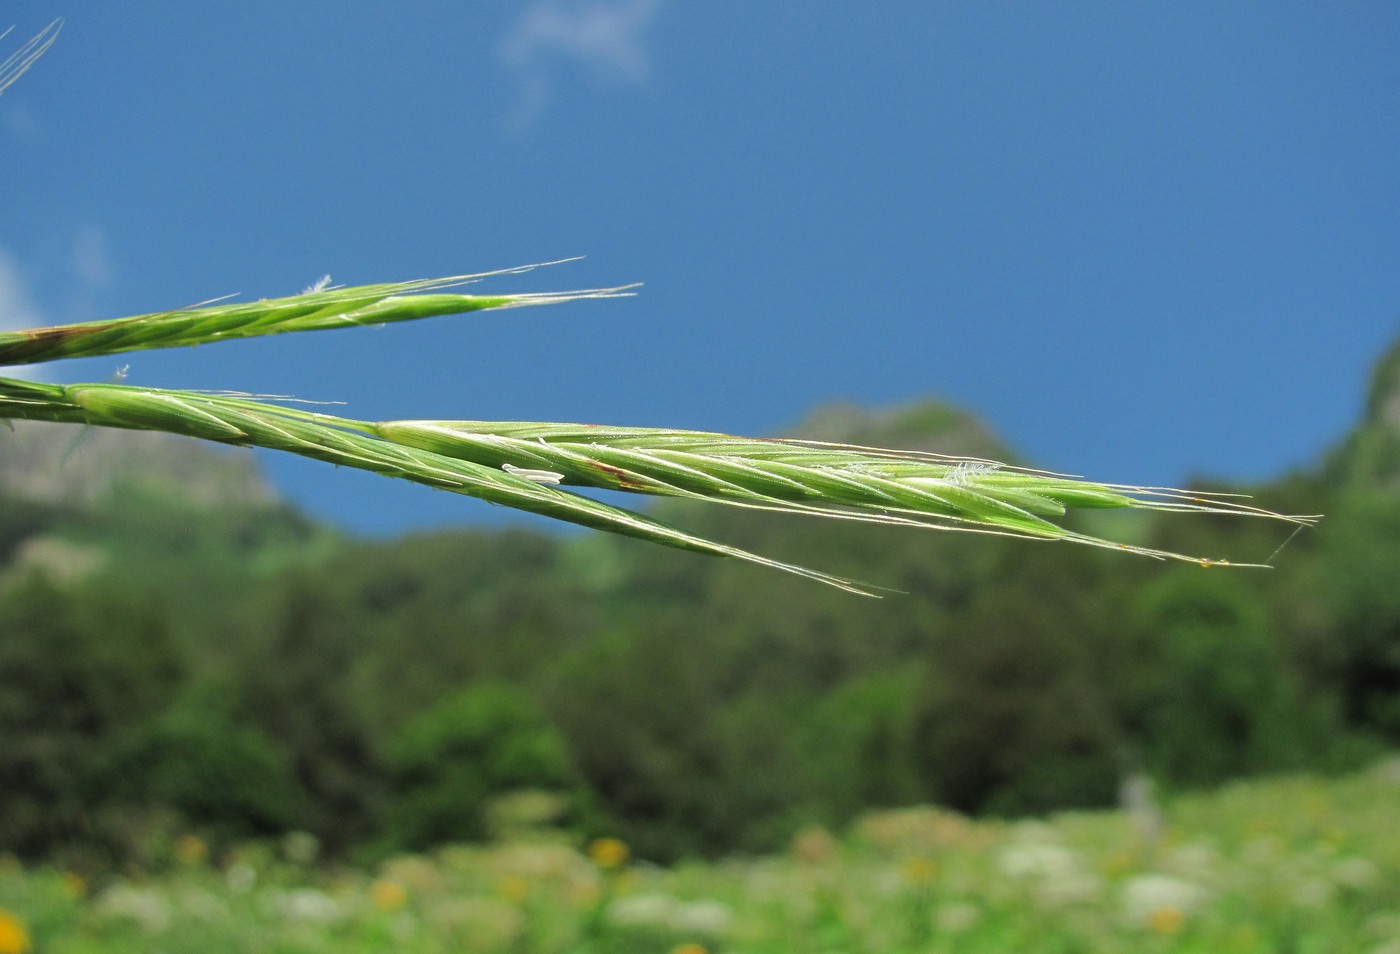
{"points": [[1018, 713], [442, 610], [21, 521], [78, 670], [859, 745], [451, 760], [1361, 547], [686, 745], [1223, 697], [219, 775], [296, 689]]}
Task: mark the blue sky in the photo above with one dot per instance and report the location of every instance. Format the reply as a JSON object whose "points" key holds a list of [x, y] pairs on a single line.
{"points": [[1144, 241]]}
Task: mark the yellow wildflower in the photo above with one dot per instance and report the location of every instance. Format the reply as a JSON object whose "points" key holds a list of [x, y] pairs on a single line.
{"points": [[514, 888], [918, 871], [691, 948], [14, 939], [1166, 920], [1246, 936], [608, 852], [1120, 863], [582, 894], [191, 850], [815, 846], [388, 895], [74, 885]]}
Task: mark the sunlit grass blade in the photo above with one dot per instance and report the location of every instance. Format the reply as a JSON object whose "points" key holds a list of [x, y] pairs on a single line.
{"points": [[312, 310]]}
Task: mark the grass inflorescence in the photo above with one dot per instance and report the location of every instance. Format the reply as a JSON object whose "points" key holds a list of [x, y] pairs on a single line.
{"points": [[526, 465], [313, 310]]}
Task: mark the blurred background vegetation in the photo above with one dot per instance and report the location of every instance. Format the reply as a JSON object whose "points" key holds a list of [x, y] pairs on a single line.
{"points": [[180, 652]]}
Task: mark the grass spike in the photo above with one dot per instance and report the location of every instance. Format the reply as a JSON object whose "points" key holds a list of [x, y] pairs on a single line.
{"points": [[311, 310], [527, 465]]}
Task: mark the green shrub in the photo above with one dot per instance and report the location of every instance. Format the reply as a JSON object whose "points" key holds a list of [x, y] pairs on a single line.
{"points": [[450, 761]]}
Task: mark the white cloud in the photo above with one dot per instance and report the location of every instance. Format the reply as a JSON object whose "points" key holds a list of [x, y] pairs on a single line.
{"points": [[603, 36], [17, 307], [86, 270], [15, 65]]}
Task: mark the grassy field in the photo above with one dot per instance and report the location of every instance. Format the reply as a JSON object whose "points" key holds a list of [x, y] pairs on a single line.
{"points": [[1287, 865]]}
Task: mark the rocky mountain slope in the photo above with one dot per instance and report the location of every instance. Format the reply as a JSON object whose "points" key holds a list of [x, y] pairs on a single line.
{"points": [[68, 465]]}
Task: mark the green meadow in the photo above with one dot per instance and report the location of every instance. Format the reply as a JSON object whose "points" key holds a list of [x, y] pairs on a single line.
{"points": [[1293, 864]]}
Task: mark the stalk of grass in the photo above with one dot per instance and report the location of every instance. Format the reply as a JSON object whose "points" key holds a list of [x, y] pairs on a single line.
{"points": [[518, 465], [313, 310], [247, 422], [811, 477]]}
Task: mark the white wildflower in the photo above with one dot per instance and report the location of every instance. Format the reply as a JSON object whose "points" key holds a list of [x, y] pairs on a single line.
{"points": [[1265, 851], [1147, 894], [956, 917], [308, 904], [1388, 769], [301, 847], [241, 878], [655, 910], [142, 905], [1313, 893], [1195, 861], [1070, 888], [710, 918], [1057, 874], [1037, 861], [203, 904], [1356, 873]]}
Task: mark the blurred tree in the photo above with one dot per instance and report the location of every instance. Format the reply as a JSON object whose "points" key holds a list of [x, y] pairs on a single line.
{"points": [[858, 745], [79, 666], [295, 688], [1361, 557], [1018, 712], [1223, 699], [638, 712], [451, 760], [218, 775]]}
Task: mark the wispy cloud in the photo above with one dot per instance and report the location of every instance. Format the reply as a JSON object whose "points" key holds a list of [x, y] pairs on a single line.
{"points": [[15, 65], [17, 307], [605, 37], [81, 274]]}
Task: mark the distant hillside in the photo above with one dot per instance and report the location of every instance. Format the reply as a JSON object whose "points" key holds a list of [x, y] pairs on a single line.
{"points": [[1370, 454], [75, 466], [926, 425]]}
